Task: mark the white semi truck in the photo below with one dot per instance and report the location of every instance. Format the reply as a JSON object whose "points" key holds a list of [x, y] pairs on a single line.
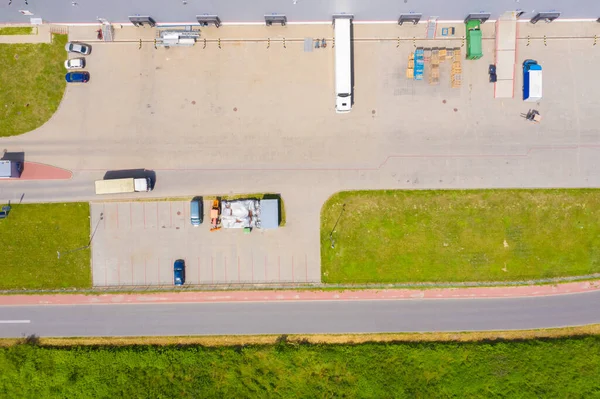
{"points": [[128, 185]]}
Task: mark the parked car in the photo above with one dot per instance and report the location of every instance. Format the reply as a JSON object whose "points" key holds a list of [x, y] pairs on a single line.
{"points": [[81, 48], [75, 63], [196, 211], [179, 272], [77, 77]]}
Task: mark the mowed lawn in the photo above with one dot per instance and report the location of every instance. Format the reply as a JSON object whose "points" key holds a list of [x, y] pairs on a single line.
{"points": [[559, 368], [32, 83], [31, 236], [454, 236]]}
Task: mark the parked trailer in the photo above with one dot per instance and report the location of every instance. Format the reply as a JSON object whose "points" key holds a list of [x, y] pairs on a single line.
{"points": [[343, 63], [532, 81], [128, 185]]}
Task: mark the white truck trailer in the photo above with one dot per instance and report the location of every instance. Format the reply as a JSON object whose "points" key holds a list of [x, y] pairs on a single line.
{"points": [[127, 185], [342, 25]]}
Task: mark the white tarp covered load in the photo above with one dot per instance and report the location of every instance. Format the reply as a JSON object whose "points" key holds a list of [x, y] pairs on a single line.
{"points": [[239, 214]]}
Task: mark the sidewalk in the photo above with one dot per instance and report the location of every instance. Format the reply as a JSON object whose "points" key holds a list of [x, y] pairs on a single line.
{"points": [[285, 296]]}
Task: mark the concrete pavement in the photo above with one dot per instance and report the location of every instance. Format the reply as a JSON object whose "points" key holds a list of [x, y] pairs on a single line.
{"points": [[137, 242]]}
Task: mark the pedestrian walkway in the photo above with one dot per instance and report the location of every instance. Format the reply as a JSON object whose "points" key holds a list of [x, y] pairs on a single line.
{"points": [[313, 295], [41, 34]]}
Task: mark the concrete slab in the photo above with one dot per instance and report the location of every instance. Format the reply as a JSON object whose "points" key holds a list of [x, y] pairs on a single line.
{"points": [[128, 251], [505, 64]]}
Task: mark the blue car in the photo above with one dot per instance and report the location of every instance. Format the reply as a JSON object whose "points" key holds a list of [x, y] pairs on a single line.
{"points": [[179, 272], [77, 77]]}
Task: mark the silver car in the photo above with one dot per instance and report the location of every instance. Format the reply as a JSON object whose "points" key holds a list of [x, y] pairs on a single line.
{"points": [[81, 48], [75, 63]]}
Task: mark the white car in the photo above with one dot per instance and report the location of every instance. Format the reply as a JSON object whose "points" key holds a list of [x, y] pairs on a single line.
{"points": [[81, 48], [75, 63]]}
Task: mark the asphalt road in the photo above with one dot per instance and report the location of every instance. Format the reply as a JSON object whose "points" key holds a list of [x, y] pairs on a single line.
{"points": [[300, 317]]}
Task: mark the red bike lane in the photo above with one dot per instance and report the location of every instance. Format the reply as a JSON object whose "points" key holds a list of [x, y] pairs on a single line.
{"points": [[305, 295]]}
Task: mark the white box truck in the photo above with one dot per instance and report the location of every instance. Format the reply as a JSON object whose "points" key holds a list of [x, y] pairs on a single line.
{"points": [[342, 25], [128, 185]]}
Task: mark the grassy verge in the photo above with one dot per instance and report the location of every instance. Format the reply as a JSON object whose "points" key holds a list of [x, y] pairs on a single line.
{"points": [[455, 236], [32, 235], [32, 82], [557, 368], [236, 340], [16, 30]]}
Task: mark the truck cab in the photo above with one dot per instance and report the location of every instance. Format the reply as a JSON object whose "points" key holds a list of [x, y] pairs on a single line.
{"points": [[10, 169]]}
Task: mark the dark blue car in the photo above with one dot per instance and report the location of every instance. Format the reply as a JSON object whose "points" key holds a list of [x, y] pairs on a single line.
{"points": [[179, 272], [77, 77]]}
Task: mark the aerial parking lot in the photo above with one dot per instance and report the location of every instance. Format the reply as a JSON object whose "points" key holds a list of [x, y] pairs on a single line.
{"points": [[136, 244], [256, 114]]}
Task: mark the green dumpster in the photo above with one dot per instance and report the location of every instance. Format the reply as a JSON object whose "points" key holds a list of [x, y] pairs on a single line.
{"points": [[474, 40]]}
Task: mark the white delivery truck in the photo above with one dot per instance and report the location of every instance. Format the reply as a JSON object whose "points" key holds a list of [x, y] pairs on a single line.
{"points": [[343, 62], [128, 185]]}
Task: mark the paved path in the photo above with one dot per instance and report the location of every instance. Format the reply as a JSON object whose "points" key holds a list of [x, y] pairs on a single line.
{"points": [[297, 316]]}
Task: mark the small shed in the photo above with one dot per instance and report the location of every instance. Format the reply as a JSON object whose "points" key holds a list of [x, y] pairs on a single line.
{"points": [[269, 214]]}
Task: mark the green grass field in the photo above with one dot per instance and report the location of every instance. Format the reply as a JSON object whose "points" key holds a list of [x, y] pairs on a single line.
{"points": [[455, 236], [16, 30], [560, 368], [32, 83], [31, 236]]}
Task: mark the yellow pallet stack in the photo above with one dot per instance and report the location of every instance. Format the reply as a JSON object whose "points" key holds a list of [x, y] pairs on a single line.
{"points": [[410, 69], [456, 71], [434, 70]]}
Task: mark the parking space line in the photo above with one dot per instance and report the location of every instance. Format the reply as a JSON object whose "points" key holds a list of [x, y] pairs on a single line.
{"points": [[104, 219], [171, 213], [266, 278], [145, 270], [252, 255], [144, 207], [130, 218], [105, 273], [119, 271], [157, 223], [158, 258], [212, 265], [239, 278], [132, 279], [117, 215], [279, 267], [292, 268], [225, 259], [198, 270]]}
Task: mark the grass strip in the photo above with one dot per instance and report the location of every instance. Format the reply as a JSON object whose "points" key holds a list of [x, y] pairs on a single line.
{"points": [[455, 236], [557, 368], [16, 30], [33, 234], [32, 82]]}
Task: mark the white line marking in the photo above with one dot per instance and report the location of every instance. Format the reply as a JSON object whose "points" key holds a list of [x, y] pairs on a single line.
{"points": [[15, 321]]}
